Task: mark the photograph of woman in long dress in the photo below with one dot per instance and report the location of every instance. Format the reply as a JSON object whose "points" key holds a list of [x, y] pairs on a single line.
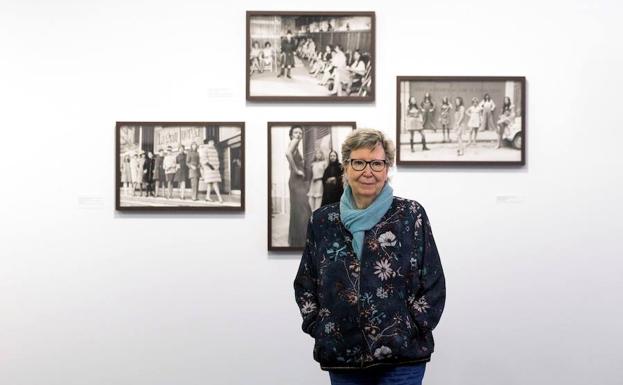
{"points": [[299, 207], [298, 179], [487, 108]]}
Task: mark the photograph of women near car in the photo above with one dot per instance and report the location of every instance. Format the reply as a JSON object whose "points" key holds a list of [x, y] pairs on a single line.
{"points": [[467, 120]]}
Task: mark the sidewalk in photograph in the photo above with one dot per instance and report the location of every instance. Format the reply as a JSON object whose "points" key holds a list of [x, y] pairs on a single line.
{"points": [[302, 83], [437, 137], [484, 149], [129, 201]]}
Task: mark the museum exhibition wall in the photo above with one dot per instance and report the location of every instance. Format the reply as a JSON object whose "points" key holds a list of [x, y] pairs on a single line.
{"points": [[92, 292]]}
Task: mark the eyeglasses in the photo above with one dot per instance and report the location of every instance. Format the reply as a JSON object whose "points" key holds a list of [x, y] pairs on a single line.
{"points": [[360, 164]]}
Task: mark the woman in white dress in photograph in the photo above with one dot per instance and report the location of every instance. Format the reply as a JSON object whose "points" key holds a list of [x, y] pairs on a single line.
{"points": [[315, 188], [474, 114]]}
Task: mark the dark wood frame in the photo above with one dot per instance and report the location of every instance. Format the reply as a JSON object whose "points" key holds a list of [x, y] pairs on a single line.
{"points": [[270, 126], [179, 208], [334, 98], [520, 79]]}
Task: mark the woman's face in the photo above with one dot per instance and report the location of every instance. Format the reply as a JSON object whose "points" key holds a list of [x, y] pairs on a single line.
{"points": [[356, 55], [297, 133], [412, 100], [328, 49], [333, 157], [457, 101], [318, 155], [366, 183]]}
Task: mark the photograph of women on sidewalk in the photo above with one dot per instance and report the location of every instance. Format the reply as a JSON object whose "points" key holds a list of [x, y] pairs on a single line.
{"points": [[194, 166], [310, 56], [304, 173], [460, 120]]}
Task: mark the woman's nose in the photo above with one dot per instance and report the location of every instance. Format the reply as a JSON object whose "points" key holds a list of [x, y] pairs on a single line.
{"points": [[367, 171]]}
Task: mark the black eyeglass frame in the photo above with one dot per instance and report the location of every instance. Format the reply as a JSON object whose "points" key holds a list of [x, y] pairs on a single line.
{"points": [[368, 163]]}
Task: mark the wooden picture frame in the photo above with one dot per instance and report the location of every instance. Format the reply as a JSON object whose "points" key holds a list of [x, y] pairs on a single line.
{"points": [[430, 136], [222, 159], [302, 87], [283, 184]]}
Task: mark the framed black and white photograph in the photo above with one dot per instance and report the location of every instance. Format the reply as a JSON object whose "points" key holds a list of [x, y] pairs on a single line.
{"points": [[461, 120], [304, 173], [188, 166], [310, 56]]}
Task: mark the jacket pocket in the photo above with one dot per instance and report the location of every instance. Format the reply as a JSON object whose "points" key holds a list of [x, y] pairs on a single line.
{"points": [[314, 327], [412, 325]]}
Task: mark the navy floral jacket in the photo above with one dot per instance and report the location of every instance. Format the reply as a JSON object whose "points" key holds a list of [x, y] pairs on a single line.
{"points": [[377, 311]]}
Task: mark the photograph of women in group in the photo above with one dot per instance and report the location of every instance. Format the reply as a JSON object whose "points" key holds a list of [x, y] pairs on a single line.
{"points": [[180, 166], [460, 120], [310, 56], [304, 173]]}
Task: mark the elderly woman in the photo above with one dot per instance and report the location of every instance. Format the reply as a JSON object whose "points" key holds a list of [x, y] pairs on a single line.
{"points": [[370, 285]]}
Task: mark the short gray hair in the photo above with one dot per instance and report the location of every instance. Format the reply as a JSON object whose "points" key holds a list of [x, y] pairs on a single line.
{"points": [[368, 138]]}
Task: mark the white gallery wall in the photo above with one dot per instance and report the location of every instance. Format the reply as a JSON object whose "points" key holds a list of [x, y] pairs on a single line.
{"points": [[533, 255]]}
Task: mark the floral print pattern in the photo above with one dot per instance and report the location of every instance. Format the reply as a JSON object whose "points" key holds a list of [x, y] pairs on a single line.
{"points": [[383, 269], [379, 310]]}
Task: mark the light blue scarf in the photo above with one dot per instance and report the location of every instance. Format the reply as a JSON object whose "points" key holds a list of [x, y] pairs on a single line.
{"points": [[357, 221]]}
